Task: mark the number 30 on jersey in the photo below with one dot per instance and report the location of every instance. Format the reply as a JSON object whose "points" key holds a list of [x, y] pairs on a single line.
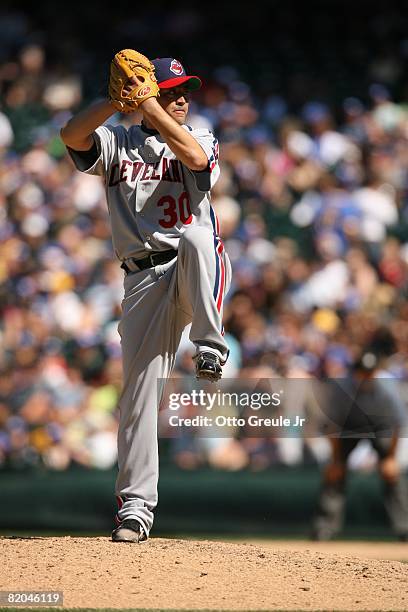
{"points": [[175, 210]]}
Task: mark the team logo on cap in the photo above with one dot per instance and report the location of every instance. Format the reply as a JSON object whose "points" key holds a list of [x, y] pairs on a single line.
{"points": [[176, 67]]}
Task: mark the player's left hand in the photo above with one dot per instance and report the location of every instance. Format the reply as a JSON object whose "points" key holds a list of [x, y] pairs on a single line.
{"points": [[389, 468], [132, 81]]}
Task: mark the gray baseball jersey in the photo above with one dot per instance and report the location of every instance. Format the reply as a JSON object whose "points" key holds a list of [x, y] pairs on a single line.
{"points": [[157, 204], [152, 197]]}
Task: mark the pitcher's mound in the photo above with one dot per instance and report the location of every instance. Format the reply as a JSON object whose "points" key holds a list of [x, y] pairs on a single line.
{"points": [[165, 574]]}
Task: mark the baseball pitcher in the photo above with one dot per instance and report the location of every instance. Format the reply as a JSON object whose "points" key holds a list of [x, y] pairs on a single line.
{"points": [[158, 177]]}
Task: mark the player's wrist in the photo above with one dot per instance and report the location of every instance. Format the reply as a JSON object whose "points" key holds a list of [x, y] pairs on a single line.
{"points": [[149, 104]]}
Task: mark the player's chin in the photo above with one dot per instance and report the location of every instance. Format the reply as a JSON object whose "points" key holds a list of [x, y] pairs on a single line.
{"points": [[179, 116]]}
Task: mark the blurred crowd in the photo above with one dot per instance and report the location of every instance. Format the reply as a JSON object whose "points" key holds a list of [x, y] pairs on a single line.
{"points": [[313, 206]]}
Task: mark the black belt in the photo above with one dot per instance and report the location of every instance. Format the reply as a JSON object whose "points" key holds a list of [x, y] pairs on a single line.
{"points": [[154, 259]]}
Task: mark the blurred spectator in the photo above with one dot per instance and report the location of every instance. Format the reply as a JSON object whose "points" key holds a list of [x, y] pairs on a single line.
{"points": [[365, 406]]}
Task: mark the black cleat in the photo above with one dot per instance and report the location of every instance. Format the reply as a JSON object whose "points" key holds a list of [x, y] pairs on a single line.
{"points": [[130, 530], [208, 366]]}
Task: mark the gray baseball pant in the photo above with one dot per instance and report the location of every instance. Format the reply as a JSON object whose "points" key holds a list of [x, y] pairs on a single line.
{"points": [[158, 303]]}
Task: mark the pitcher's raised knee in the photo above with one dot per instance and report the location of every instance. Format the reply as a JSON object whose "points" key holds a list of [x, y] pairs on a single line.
{"points": [[197, 237]]}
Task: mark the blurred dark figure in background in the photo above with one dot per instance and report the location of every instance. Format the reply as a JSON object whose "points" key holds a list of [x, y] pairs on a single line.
{"points": [[366, 405]]}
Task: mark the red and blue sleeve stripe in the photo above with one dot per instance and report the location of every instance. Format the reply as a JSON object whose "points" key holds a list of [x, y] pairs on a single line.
{"points": [[213, 159]]}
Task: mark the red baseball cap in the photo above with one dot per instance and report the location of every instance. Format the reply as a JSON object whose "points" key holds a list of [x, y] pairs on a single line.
{"points": [[170, 73]]}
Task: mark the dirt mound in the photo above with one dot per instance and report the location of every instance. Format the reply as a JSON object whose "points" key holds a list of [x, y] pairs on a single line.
{"points": [[96, 573]]}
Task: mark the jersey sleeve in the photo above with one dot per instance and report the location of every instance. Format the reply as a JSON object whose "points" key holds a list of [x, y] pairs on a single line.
{"points": [[206, 179], [105, 138]]}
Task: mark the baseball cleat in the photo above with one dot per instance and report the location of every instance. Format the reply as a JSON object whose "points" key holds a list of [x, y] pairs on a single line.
{"points": [[130, 530], [208, 366]]}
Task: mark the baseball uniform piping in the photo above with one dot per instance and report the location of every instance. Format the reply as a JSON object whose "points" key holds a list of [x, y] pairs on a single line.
{"points": [[220, 249], [219, 263]]}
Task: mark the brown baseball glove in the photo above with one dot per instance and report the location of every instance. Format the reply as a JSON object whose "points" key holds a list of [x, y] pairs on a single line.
{"points": [[131, 81]]}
